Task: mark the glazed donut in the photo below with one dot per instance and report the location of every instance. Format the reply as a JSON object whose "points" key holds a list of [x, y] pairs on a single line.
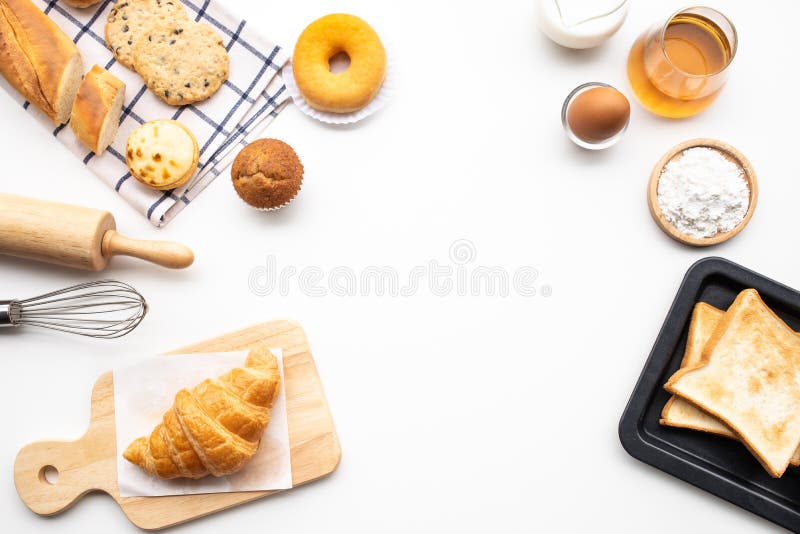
{"points": [[346, 91]]}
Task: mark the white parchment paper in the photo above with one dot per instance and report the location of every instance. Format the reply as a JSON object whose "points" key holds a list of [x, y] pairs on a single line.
{"points": [[145, 390], [384, 95]]}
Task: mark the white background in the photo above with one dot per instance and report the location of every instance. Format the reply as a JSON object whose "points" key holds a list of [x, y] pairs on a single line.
{"points": [[476, 413]]}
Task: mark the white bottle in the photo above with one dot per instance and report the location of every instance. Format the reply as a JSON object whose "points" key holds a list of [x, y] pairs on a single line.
{"points": [[581, 23]]}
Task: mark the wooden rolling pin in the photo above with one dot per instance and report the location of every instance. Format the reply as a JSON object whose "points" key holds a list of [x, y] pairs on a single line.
{"points": [[83, 238]]}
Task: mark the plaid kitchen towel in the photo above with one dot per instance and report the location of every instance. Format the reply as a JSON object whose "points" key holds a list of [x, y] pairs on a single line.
{"points": [[253, 95]]}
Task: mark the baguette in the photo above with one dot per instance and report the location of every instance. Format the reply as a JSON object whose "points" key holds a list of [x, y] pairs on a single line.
{"points": [[97, 109], [38, 59]]}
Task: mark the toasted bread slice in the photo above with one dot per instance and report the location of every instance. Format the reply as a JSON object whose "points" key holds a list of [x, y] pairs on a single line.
{"points": [[751, 380], [679, 412]]}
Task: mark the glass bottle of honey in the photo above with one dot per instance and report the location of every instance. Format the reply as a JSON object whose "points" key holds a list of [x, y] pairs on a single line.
{"points": [[677, 69]]}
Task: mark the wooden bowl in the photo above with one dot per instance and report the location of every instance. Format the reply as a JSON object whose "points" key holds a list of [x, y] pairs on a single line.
{"points": [[730, 153]]}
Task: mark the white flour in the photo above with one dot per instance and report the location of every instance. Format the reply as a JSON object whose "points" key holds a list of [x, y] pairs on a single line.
{"points": [[702, 193]]}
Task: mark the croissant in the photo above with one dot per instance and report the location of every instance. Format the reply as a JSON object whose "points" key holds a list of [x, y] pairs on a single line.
{"points": [[216, 427]]}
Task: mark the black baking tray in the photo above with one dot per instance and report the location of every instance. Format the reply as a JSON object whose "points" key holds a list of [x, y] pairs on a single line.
{"points": [[716, 464]]}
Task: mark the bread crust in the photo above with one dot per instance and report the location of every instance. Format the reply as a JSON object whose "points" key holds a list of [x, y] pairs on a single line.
{"points": [[97, 107], [688, 424], [38, 59]]}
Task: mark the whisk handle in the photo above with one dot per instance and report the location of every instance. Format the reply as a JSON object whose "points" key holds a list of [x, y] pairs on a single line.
{"points": [[164, 253], [9, 313]]}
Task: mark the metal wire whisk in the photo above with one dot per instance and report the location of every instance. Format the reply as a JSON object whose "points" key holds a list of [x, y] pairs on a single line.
{"points": [[102, 309]]}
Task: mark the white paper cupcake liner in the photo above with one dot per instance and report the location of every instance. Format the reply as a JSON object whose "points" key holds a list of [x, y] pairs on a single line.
{"points": [[380, 100], [275, 208]]}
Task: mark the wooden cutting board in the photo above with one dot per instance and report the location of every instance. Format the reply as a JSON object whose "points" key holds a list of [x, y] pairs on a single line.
{"points": [[90, 463]]}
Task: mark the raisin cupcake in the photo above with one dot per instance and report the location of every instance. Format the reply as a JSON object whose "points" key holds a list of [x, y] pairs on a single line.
{"points": [[267, 174]]}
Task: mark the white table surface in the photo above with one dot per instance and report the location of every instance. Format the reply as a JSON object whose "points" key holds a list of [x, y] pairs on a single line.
{"points": [[455, 413]]}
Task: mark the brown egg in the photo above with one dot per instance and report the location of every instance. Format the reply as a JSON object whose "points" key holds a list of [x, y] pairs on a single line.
{"points": [[598, 114]]}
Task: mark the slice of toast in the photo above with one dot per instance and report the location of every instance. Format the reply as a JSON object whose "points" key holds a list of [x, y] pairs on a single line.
{"points": [[679, 412], [751, 380]]}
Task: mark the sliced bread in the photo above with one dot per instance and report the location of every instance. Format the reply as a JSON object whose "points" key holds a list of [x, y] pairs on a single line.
{"points": [[679, 412], [750, 381], [97, 109]]}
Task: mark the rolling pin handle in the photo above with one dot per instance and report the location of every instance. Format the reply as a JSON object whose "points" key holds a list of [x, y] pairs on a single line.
{"points": [[164, 253]]}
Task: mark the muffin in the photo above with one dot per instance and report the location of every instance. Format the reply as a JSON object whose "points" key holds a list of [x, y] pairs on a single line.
{"points": [[267, 174], [162, 154]]}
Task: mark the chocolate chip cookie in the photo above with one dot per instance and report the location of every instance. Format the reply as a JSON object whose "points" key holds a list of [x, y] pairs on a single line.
{"points": [[181, 62], [128, 20]]}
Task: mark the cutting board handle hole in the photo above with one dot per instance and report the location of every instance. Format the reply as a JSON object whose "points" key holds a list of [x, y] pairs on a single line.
{"points": [[49, 475]]}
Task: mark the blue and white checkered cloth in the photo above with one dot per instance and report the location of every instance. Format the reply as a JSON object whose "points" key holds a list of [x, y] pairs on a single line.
{"points": [[253, 95]]}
